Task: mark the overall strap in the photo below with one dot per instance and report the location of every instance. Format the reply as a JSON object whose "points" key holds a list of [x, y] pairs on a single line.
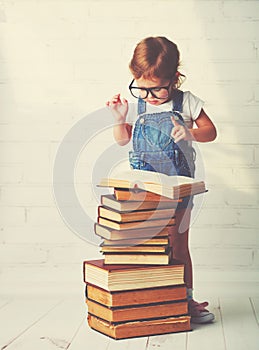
{"points": [[141, 106], [178, 101]]}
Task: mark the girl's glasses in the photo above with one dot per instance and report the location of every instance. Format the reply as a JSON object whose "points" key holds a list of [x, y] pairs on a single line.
{"points": [[159, 92]]}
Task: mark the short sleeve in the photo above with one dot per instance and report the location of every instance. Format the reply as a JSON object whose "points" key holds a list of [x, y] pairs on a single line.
{"points": [[192, 106]]}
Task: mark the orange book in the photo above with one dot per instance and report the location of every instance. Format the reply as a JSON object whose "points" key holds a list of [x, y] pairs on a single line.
{"points": [[138, 258], [135, 296], [138, 233], [133, 329], [144, 232], [111, 202], [133, 216], [152, 241], [135, 224], [137, 312]]}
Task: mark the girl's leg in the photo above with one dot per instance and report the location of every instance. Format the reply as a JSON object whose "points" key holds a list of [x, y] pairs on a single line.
{"points": [[180, 243], [180, 247]]}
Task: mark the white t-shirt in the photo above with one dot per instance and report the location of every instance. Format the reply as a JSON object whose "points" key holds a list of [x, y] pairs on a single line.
{"points": [[192, 106]]}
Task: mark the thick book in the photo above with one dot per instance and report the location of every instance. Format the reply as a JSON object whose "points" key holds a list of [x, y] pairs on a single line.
{"points": [[127, 277], [135, 296], [138, 258], [133, 216], [133, 329], [129, 194], [111, 202], [174, 187], [144, 232], [137, 312], [136, 225]]}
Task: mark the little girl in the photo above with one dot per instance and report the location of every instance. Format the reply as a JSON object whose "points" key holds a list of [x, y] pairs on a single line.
{"points": [[162, 130]]}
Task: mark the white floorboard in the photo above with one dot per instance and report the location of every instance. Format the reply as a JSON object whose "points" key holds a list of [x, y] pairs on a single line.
{"points": [[255, 306], [4, 301], [55, 330], [86, 338], [46, 323], [241, 330], [18, 316], [168, 341], [128, 344]]}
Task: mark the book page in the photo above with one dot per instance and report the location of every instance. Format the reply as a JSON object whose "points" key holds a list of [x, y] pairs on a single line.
{"points": [[152, 177]]}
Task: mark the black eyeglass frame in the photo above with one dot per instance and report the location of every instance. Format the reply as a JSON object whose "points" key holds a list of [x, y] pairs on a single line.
{"points": [[149, 90]]}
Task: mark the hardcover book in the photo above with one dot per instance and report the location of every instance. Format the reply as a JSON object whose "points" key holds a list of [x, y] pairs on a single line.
{"points": [[143, 232], [120, 277], [142, 248], [135, 296], [111, 202], [137, 312], [133, 216], [137, 225], [138, 258], [153, 241], [133, 329]]}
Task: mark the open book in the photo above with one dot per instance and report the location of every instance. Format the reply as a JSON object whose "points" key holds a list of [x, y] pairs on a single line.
{"points": [[169, 186]]}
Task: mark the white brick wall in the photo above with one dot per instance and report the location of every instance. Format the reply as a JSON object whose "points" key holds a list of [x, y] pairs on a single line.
{"points": [[60, 60]]}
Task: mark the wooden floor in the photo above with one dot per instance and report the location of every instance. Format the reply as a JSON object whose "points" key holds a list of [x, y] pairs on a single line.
{"points": [[59, 322]]}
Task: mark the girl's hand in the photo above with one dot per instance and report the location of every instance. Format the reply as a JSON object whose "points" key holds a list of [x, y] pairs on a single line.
{"points": [[119, 108], [180, 132]]}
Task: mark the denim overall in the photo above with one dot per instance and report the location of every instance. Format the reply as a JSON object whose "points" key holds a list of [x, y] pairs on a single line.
{"points": [[154, 148]]}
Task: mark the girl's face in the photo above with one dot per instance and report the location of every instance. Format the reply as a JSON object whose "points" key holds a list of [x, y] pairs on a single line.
{"points": [[160, 92]]}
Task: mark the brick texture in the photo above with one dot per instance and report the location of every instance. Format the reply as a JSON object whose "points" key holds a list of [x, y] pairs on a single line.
{"points": [[61, 60]]}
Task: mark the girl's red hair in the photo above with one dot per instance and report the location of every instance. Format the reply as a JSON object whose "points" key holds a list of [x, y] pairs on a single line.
{"points": [[156, 57]]}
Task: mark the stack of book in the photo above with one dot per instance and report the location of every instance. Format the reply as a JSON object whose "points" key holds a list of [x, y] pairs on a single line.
{"points": [[133, 231], [138, 289], [126, 301]]}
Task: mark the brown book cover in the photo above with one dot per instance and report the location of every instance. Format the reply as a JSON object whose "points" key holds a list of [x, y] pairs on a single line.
{"points": [[133, 329], [136, 225], [133, 216], [135, 296], [137, 312], [144, 232], [127, 194], [127, 277], [111, 202]]}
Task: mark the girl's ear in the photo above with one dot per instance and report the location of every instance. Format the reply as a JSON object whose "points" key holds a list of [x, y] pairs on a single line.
{"points": [[179, 79]]}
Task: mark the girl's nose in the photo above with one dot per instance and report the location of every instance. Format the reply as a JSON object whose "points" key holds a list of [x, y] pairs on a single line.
{"points": [[149, 93]]}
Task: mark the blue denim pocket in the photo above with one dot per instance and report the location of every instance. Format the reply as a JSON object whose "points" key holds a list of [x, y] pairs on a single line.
{"points": [[157, 131]]}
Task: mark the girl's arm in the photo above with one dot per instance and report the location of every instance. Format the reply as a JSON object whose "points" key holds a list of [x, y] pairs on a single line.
{"points": [[122, 133], [121, 130], [205, 131]]}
